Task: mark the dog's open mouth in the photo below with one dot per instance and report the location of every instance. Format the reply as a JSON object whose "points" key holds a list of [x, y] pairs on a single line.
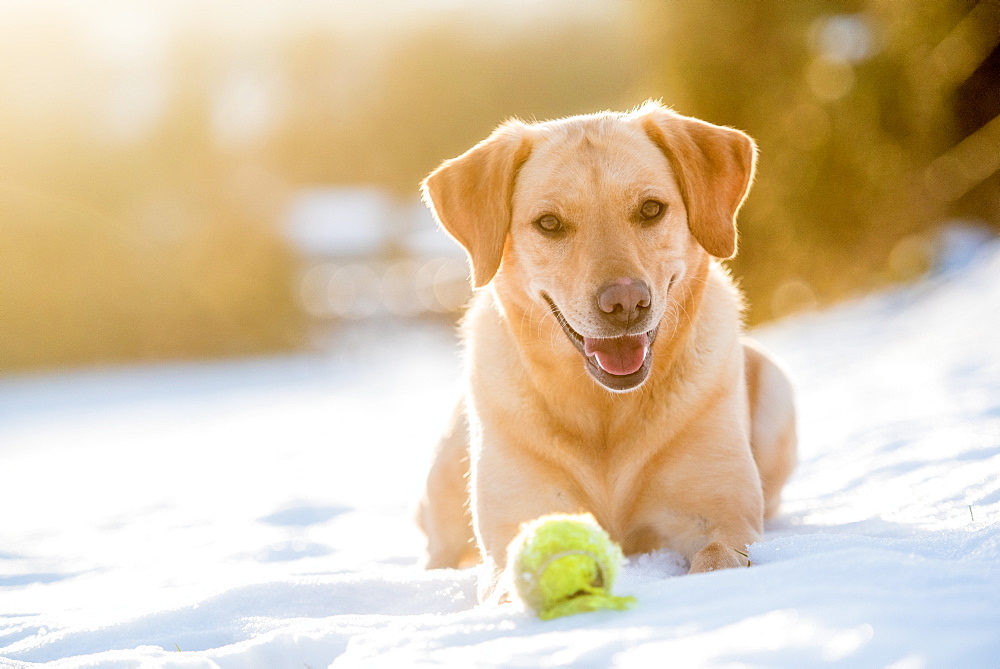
{"points": [[617, 363]]}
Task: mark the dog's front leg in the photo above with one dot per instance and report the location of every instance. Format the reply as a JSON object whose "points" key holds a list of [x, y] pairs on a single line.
{"points": [[708, 514], [732, 518], [509, 488]]}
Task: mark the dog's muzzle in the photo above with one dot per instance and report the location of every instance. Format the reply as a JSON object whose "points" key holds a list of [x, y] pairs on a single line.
{"points": [[618, 363]]}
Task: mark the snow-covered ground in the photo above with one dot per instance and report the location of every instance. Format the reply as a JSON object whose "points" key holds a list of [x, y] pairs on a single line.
{"points": [[257, 514]]}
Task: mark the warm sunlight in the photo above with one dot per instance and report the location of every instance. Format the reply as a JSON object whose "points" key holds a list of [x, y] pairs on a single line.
{"points": [[254, 415], [184, 179]]}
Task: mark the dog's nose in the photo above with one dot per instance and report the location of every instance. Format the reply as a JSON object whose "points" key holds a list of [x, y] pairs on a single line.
{"points": [[623, 301]]}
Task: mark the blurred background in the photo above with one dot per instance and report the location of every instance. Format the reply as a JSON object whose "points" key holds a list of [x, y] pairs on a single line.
{"points": [[183, 179]]}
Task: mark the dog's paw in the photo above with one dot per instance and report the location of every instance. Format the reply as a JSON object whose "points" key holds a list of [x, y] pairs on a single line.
{"points": [[716, 556]]}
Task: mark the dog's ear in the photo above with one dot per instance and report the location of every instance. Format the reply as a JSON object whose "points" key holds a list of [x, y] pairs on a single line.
{"points": [[471, 196], [714, 167]]}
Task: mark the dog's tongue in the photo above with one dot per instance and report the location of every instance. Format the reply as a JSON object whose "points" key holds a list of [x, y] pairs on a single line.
{"points": [[618, 355]]}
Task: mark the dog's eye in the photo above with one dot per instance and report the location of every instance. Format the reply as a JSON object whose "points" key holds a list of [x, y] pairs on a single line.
{"points": [[650, 210], [549, 223]]}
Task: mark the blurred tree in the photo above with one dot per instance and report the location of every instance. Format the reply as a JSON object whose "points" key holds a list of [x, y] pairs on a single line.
{"points": [[439, 87], [143, 181], [115, 249], [851, 102], [142, 199]]}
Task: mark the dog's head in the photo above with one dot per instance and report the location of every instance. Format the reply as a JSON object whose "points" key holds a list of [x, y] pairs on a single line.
{"points": [[597, 220]]}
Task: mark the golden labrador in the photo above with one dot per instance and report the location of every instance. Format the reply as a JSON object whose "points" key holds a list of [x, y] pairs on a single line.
{"points": [[605, 368]]}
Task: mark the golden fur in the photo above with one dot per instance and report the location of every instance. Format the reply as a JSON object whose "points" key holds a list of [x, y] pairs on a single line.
{"points": [[688, 453]]}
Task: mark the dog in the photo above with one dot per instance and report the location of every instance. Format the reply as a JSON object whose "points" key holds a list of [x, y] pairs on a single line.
{"points": [[605, 365]]}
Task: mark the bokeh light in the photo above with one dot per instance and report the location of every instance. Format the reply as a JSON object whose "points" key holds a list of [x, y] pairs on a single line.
{"points": [[181, 179]]}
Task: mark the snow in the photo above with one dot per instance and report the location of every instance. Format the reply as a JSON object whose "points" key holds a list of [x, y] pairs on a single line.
{"points": [[258, 514]]}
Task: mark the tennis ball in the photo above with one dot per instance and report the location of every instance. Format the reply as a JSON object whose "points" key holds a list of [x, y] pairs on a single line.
{"points": [[566, 564]]}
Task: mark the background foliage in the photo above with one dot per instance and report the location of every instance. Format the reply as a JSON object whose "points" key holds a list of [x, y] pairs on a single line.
{"points": [[857, 107], [149, 152]]}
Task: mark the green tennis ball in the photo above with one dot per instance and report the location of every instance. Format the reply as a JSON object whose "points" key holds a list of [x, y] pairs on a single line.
{"points": [[565, 564]]}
